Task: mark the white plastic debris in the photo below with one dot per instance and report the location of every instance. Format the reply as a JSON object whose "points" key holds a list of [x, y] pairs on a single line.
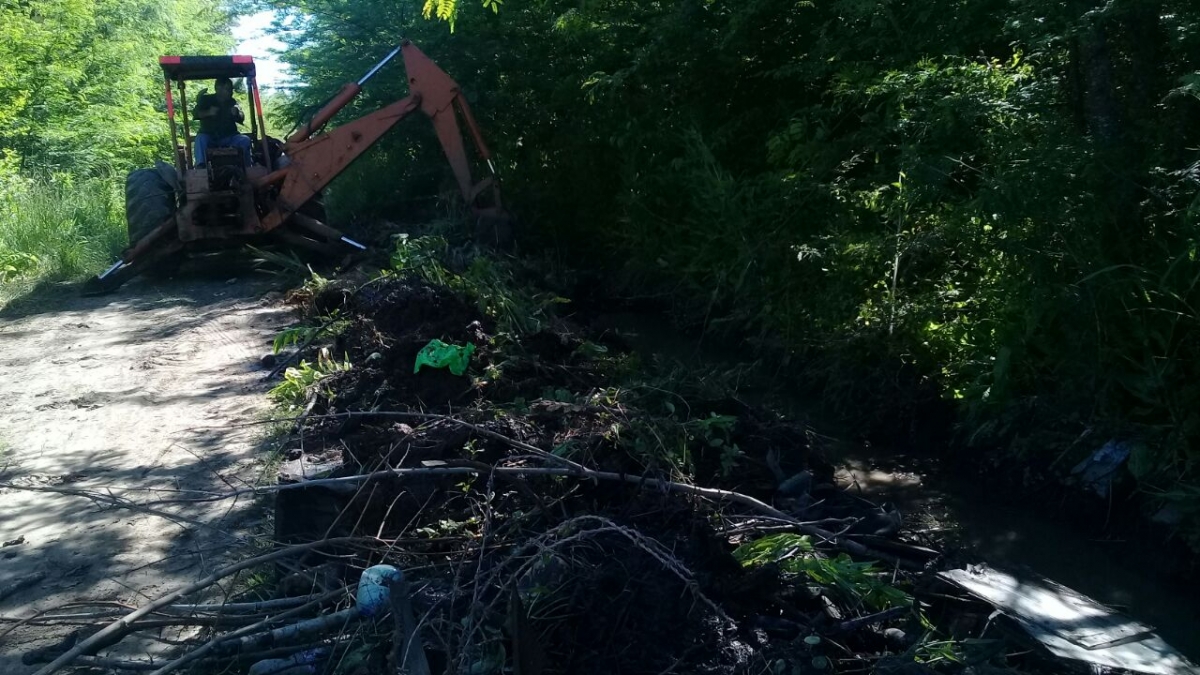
{"points": [[1097, 471], [1071, 625]]}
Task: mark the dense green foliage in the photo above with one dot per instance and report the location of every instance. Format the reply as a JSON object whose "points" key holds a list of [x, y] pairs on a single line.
{"points": [[57, 229], [994, 201], [80, 87], [81, 102]]}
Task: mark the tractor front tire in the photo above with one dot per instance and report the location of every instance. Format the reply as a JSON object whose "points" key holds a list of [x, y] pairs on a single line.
{"points": [[149, 200]]}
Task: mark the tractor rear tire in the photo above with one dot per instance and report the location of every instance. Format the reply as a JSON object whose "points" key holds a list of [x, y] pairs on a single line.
{"points": [[149, 200]]}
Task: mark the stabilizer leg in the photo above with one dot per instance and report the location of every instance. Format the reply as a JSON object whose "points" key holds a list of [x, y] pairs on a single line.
{"points": [[303, 231], [155, 246], [332, 236]]}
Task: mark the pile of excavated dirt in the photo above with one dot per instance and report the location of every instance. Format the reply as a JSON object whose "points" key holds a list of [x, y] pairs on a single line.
{"points": [[517, 562]]}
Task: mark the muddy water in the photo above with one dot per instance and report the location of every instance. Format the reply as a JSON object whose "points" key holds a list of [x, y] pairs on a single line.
{"points": [[995, 527], [988, 523]]}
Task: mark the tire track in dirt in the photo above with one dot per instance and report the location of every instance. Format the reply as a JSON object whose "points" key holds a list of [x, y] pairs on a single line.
{"points": [[150, 388]]}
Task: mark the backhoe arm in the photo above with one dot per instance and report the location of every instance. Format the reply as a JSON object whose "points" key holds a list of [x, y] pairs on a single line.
{"points": [[318, 158]]}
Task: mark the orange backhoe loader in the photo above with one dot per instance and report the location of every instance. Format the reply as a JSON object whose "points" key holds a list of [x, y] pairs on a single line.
{"points": [[274, 194]]}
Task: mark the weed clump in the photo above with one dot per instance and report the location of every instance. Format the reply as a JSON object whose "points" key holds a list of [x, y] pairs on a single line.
{"points": [[62, 229]]}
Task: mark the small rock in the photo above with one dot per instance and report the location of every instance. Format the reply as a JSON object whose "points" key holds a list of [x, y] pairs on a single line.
{"points": [[896, 638]]}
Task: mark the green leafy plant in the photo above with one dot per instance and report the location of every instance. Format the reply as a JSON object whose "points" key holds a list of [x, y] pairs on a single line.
{"points": [[715, 432], [773, 549], [15, 264], [331, 325], [853, 581], [423, 257], [300, 381], [492, 283], [935, 651], [450, 528], [285, 263]]}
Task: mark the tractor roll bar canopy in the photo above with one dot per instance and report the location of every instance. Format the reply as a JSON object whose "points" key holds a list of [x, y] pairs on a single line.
{"points": [[180, 68]]}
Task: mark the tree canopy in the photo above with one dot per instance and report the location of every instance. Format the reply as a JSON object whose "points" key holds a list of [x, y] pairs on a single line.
{"points": [[990, 203], [80, 88]]}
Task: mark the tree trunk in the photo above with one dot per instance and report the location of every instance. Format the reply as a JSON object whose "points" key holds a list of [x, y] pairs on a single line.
{"points": [[1145, 39], [1116, 187], [1100, 107]]}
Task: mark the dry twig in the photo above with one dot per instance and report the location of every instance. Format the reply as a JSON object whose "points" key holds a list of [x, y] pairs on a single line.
{"points": [[221, 640], [124, 624]]}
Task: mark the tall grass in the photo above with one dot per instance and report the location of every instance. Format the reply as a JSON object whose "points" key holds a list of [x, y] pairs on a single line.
{"points": [[57, 229]]}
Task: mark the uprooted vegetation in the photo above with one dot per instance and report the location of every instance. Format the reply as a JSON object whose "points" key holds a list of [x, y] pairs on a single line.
{"points": [[563, 506]]}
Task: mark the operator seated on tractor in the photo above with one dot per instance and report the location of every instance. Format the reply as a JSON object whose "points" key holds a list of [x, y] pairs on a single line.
{"points": [[219, 116]]}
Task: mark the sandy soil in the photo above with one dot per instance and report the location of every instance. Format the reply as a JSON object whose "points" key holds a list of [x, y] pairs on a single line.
{"points": [[143, 393]]}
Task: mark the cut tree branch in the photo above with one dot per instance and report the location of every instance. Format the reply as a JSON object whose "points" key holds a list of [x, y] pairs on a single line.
{"points": [[122, 625]]}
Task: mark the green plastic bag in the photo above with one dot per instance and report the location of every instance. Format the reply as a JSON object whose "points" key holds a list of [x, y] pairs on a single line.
{"points": [[438, 354]]}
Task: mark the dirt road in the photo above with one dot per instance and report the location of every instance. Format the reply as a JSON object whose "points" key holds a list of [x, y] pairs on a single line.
{"points": [[138, 395]]}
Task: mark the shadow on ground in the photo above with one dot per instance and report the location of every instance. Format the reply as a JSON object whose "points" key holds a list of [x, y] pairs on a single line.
{"points": [[155, 392]]}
